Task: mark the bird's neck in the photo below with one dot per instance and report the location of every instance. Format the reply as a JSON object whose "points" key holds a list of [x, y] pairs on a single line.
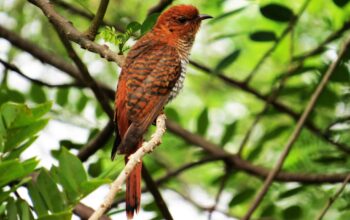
{"points": [[182, 43]]}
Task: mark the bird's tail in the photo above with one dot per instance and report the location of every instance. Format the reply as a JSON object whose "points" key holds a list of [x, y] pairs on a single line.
{"points": [[133, 188]]}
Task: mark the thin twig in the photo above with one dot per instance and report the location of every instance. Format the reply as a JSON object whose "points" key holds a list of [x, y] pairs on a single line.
{"points": [[274, 94], [133, 160], [218, 195], [152, 187], [15, 69], [259, 197], [82, 13], [84, 212], [47, 57], [98, 18], [275, 103], [320, 48], [74, 35], [289, 28], [238, 163], [333, 198], [85, 76], [97, 142]]}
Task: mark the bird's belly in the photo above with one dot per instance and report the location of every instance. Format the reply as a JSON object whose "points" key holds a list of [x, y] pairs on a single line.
{"points": [[180, 82]]}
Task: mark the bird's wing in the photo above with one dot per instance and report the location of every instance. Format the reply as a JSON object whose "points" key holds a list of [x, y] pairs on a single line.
{"points": [[149, 81]]}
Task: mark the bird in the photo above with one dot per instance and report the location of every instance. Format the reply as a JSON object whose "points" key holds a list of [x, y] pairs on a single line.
{"points": [[152, 75]]}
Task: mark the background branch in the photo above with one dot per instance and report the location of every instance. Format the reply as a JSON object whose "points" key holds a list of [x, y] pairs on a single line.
{"points": [[96, 21], [333, 198], [296, 131]]}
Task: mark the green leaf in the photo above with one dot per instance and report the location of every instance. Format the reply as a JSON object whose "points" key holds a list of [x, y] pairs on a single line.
{"points": [[292, 212], [133, 27], [148, 24], [275, 132], [225, 15], [10, 170], [203, 122], [66, 215], [62, 96], [228, 60], [70, 174], [341, 3], [11, 209], [95, 169], [229, 132], [37, 94], [71, 191], [17, 135], [24, 210], [88, 186], [15, 153], [11, 112], [291, 192], [49, 191], [27, 115], [277, 12], [2, 209], [328, 98], [268, 211], [9, 95], [72, 167], [172, 114], [5, 194], [341, 73], [70, 145], [37, 199], [83, 100], [232, 35], [242, 197], [263, 36], [40, 110], [29, 165]]}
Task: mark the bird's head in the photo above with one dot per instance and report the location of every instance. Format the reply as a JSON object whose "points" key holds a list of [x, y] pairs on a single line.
{"points": [[180, 22]]}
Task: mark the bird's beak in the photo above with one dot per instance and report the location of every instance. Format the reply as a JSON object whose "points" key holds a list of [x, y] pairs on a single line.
{"points": [[204, 16]]}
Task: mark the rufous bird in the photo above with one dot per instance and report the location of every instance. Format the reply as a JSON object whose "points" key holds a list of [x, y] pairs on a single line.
{"points": [[152, 75]]}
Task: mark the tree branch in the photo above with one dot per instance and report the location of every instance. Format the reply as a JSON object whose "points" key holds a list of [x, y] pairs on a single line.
{"points": [[273, 96], [97, 142], [259, 197], [239, 164], [333, 198], [85, 76], [98, 18], [83, 13], [15, 69], [152, 187], [275, 103], [133, 160], [47, 57], [84, 212], [74, 35]]}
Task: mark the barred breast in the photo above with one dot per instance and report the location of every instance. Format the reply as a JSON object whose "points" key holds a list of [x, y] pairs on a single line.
{"points": [[184, 48]]}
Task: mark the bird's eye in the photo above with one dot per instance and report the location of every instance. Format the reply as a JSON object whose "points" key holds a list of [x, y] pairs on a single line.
{"points": [[182, 20]]}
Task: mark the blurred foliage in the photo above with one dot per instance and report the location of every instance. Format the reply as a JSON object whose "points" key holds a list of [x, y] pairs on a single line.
{"points": [[231, 44]]}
